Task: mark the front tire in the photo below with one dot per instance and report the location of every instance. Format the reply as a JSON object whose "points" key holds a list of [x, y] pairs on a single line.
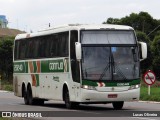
{"points": [[67, 101], [118, 105]]}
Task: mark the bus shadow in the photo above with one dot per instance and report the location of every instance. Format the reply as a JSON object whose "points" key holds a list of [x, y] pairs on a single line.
{"points": [[83, 107]]}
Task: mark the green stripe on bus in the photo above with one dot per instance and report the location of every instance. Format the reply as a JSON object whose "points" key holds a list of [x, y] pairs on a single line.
{"points": [[46, 66], [37, 79]]}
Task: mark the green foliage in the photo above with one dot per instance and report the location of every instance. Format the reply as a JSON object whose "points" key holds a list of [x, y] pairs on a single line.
{"points": [[6, 57], [141, 22], [8, 87], [156, 53], [154, 93], [156, 66], [154, 96], [145, 64], [157, 33], [156, 45], [141, 36], [112, 21]]}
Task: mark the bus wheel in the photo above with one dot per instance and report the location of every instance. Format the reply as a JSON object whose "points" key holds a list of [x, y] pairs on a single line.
{"points": [[118, 105], [67, 101], [29, 96], [25, 96]]}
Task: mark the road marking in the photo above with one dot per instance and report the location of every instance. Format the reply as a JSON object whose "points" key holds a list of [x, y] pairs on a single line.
{"points": [[143, 118], [88, 112], [2, 91], [149, 102]]}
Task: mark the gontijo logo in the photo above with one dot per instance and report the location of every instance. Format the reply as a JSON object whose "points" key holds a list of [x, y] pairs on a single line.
{"points": [[56, 65]]}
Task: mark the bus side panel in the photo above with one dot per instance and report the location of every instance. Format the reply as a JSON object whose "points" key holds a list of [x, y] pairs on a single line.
{"points": [[17, 85], [54, 85]]}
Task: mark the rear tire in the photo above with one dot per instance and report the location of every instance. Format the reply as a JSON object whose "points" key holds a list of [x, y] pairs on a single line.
{"points": [[118, 105], [29, 96], [25, 96], [33, 101]]}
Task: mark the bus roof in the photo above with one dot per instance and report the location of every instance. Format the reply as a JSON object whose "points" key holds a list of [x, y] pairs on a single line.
{"points": [[69, 27]]}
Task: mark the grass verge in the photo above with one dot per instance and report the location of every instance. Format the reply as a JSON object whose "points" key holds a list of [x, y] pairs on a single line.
{"points": [[5, 85], [154, 92]]}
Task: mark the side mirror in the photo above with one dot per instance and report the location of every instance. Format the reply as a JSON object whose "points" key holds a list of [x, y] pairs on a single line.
{"points": [[143, 50], [78, 50]]}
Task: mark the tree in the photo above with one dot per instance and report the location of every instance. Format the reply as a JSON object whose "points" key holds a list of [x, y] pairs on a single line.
{"points": [[6, 57], [145, 64], [141, 22], [112, 21], [141, 36], [156, 52]]}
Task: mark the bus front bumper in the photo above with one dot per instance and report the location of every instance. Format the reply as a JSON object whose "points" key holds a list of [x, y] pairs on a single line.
{"points": [[96, 96]]}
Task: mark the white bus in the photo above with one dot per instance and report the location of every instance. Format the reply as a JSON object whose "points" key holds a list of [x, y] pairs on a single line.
{"points": [[78, 64]]}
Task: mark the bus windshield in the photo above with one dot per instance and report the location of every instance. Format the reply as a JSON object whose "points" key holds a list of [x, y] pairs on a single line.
{"points": [[107, 62], [108, 37]]}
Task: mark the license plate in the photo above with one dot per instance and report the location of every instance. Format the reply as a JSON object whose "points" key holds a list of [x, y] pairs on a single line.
{"points": [[112, 95]]}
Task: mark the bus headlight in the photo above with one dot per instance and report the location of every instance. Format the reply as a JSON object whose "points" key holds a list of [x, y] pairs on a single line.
{"points": [[88, 87], [134, 87]]}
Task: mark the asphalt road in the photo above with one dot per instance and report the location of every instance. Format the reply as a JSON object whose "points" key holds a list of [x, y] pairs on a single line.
{"points": [[56, 109]]}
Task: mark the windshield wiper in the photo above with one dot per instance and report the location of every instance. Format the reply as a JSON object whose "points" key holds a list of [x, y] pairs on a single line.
{"points": [[114, 67], [119, 71], [105, 69]]}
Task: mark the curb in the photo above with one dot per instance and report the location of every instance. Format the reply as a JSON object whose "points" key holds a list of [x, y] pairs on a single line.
{"points": [[149, 102], [4, 91]]}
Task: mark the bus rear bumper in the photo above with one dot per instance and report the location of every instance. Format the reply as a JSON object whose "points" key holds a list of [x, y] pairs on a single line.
{"points": [[95, 96]]}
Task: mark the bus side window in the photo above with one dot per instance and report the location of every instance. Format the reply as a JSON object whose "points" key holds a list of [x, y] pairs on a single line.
{"points": [[16, 50], [56, 45], [74, 63], [47, 46], [35, 52], [51, 48], [30, 50], [41, 48], [63, 44], [22, 49]]}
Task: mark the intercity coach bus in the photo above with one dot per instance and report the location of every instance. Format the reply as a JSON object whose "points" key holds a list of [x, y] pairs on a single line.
{"points": [[78, 64]]}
